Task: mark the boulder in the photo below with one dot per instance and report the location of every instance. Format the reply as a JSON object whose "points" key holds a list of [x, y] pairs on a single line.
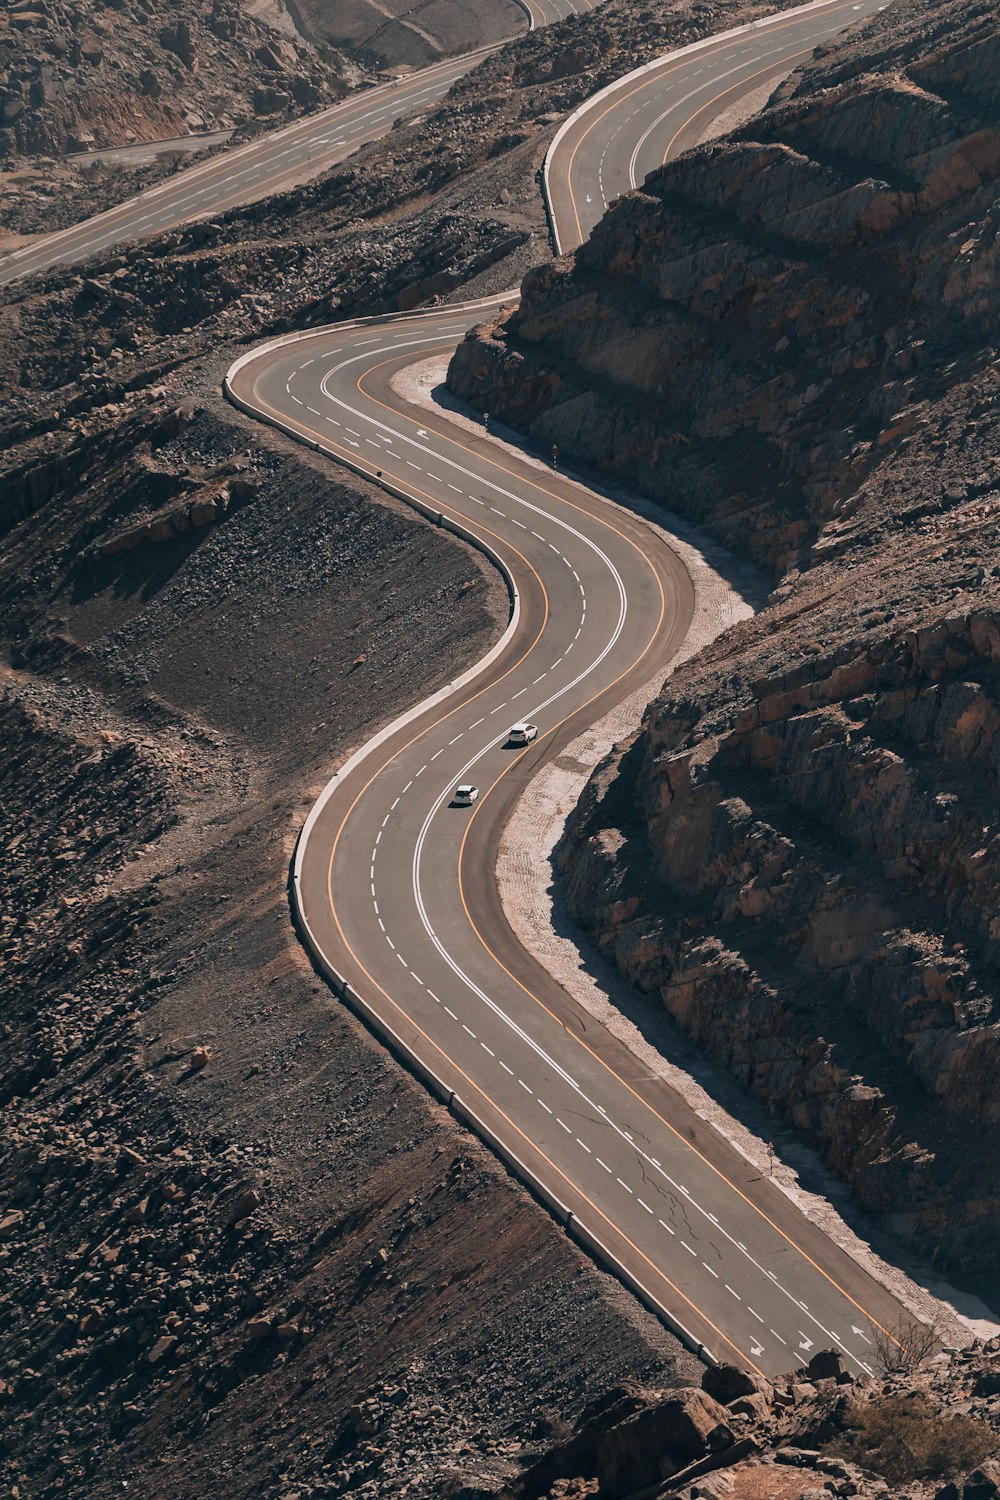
{"points": [[827, 1364], [982, 1484], [726, 1383], [666, 1434], [176, 37]]}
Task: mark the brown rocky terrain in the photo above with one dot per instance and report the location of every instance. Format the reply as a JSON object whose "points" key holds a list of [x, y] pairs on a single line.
{"points": [[239, 1245], [241, 1249], [494, 127], [737, 1437], [73, 77], [789, 336]]}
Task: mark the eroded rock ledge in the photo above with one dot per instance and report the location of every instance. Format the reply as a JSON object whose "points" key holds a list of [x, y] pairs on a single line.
{"points": [[811, 890]]}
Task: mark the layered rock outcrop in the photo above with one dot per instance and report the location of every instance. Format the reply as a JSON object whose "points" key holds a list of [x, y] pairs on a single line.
{"points": [[760, 327], [809, 882], [815, 1434]]}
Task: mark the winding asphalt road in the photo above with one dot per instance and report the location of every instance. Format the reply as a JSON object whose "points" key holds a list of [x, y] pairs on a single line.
{"points": [[277, 160], [637, 124], [396, 887]]}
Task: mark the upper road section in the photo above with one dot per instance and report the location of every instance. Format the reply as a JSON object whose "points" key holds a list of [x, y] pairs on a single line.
{"points": [[618, 137], [296, 153], [280, 159]]}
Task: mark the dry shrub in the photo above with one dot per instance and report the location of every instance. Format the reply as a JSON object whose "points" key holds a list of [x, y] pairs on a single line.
{"points": [[905, 1438], [904, 1344]]}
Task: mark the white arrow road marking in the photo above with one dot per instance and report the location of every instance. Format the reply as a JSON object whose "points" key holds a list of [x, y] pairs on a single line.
{"points": [[756, 1349], [806, 1344], [860, 1333]]}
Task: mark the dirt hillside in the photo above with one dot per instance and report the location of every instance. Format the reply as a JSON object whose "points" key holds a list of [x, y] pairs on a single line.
{"points": [[75, 77]]}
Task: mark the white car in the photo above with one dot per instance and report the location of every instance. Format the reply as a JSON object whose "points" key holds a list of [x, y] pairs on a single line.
{"points": [[522, 734], [464, 796]]}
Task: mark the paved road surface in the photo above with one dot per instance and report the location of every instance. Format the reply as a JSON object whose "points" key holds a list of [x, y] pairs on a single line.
{"points": [[296, 153], [634, 127], [398, 887]]}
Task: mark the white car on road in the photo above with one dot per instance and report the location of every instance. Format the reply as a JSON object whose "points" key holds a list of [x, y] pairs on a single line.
{"points": [[464, 796], [522, 734]]}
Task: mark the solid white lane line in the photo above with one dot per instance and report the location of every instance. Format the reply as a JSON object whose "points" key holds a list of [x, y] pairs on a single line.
{"points": [[667, 1228]]}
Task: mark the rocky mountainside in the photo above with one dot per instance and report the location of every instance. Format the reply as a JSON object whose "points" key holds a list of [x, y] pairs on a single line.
{"points": [[240, 1249], [790, 336], [239, 1245], [73, 77], [737, 1437], [495, 122], [766, 322], [412, 33]]}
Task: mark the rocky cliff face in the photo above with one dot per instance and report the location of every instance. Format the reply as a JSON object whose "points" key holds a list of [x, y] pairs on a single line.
{"points": [[72, 77], [790, 336], [762, 325], [806, 874]]}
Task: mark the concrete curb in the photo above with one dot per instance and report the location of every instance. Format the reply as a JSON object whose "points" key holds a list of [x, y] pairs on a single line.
{"points": [[376, 1023], [651, 67]]}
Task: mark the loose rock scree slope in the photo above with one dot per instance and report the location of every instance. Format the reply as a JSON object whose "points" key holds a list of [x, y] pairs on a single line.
{"points": [[789, 336], [224, 1209], [73, 78]]}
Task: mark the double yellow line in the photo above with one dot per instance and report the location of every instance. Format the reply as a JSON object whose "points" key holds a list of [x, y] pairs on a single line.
{"points": [[407, 485]]}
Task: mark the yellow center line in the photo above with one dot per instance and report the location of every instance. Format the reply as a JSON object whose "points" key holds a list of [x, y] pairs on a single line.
{"points": [[648, 82], [719, 1173], [406, 1015], [542, 489]]}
